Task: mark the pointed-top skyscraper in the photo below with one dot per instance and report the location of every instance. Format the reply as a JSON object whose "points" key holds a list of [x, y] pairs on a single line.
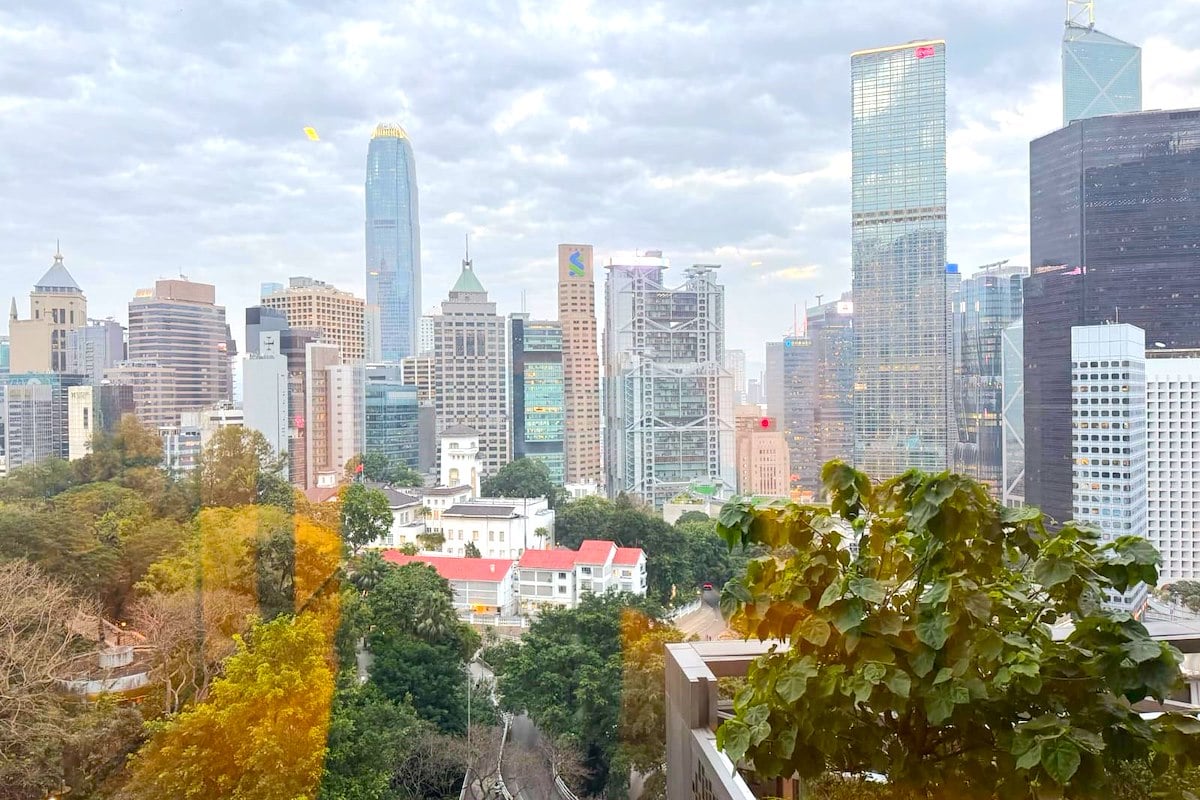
{"points": [[393, 244], [1101, 74], [57, 306]]}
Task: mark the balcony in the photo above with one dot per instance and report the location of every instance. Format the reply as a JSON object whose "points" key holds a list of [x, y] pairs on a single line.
{"points": [[696, 769]]}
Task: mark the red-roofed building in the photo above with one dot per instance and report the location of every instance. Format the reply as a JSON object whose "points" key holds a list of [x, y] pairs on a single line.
{"points": [[562, 577], [480, 585]]}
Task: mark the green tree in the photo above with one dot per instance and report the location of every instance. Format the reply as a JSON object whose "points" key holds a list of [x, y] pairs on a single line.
{"points": [[377, 467], [230, 467], [689, 517], [431, 676], [1186, 593], [366, 516], [926, 653], [42, 480], [367, 571], [585, 518], [525, 477], [471, 551]]}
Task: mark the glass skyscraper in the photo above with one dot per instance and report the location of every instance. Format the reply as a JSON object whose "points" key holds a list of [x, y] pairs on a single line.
{"points": [[1100, 74], [393, 242], [539, 406], [390, 423], [898, 226]]}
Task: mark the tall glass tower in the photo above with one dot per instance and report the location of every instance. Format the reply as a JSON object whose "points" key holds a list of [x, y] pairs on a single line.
{"points": [[393, 242], [898, 229], [1100, 74]]}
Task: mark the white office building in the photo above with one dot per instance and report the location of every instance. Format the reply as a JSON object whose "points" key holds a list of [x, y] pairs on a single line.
{"points": [[1108, 435], [1173, 464], [265, 395]]}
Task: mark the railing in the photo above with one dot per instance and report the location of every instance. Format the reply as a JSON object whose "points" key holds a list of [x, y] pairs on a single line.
{"points": [[494, 620], [683, 611]]}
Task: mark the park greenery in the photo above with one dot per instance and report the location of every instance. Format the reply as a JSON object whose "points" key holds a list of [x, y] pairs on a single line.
{"points": [[377, 468], [920, 617], [524, 477]]}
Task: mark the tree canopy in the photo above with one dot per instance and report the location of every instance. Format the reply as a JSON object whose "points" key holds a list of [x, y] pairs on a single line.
{"points": [[366, 516], [524, 477], [377, 467], [918, 614], [231, 467]]}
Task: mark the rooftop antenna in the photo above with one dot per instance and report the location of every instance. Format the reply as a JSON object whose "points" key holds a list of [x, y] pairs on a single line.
{"points": [[1081, 13], [57, 251], [467, 264], [523, 309]]}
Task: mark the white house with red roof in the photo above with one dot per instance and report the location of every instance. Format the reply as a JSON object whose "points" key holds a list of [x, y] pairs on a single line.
{"points": [[562, 577], [480, 585]]}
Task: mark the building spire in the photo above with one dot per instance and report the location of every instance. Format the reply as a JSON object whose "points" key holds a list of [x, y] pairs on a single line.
{"points": [[12, 314], [57, 252], [467, 251]]}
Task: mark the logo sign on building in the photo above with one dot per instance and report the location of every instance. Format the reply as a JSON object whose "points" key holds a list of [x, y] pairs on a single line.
{"points": [[924, 51], [575, 265]]}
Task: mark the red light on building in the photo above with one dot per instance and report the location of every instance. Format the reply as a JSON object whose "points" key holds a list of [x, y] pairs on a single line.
{"points": [[924, 51], [764, 423]]}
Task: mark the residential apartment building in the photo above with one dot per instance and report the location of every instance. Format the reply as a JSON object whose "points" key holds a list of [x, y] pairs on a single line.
{"points": [[583, 450], [471, 369], [335, 404], [57, 306], [178, 333], [667, 392], [562, 578], [485, 586], [538, 394], [316, 305]]}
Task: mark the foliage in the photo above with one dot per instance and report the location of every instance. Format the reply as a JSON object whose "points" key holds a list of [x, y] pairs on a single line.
{"points": [[366, 516], [377, 467], [42, 480], [367, 570], [567, 675], [926, 654], [643, 703], [694, 516], [431, 540], [472, 551], [228, 471], [261, 733], [36, 649], [103, 735], [524, 477], [1186, 593]]}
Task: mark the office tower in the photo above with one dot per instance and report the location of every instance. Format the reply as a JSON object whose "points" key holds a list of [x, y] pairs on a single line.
{"points": [[471, 370], [5, 351], [265, 396], [898, 227], [294, 347], [179, 330], [538, 392], [316, 305], [391, 419], [419, 371], [94, 348], [753, 391], [1108, 427], [1100, 74], [34, 417], [831, 329], [260, 320], [57, 306], [984, 305], [799, 413], [581, 363], [372, 334], [94, 409], [334, 407], [269, 288], [1173, 462], [762, 454], [667, 393], [184, 441], [1133, 177], [393, 241], [735, 362], [773, 390], [1012, 415], [425, 334]]}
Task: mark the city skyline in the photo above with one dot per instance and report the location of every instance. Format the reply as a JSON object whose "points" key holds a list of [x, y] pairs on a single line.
{"points": [[300, 209]]}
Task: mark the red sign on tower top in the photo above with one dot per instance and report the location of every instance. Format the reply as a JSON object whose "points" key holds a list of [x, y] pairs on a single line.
{"points": [[924, 51]]}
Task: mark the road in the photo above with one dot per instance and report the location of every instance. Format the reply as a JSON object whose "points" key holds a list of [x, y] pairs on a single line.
{"points": [[527, 774], [705, 622]]}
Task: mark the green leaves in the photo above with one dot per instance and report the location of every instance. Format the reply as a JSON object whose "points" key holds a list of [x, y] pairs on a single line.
{"points": [[848, 614], [813, 629], [1050, 572], [791, 685], [868, 589], [933, 628], [1060, 759]]}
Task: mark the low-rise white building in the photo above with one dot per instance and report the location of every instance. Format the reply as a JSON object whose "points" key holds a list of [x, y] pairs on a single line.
{"points": [[562, 577], [501, 527], [408, 523], [480, 585]]}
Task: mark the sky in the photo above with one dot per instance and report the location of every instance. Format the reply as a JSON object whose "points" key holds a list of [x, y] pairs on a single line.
{"points": [[163, 138]]}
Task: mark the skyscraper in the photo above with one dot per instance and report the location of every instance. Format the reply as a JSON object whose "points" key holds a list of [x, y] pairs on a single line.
{"points": [[1173, 461], [471, 369], [1100, 74], [179, 331], [1012, 414], [391, 421], [799, 412], [581, 363], [393, 241], [773, 379], [831, 329], [667, 392], [57, 306], [95, 347], [735, 362], [898, 226], [265, 396], [762, 454], [984, 305], [1132, 179], [538, 406], [316, 305]]}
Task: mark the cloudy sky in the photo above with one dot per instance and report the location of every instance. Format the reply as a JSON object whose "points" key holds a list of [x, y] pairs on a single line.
{"points": [[157, 138]]}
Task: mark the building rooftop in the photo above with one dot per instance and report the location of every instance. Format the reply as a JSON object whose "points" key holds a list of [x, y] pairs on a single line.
{"points": [[547, 559], [479, 510], [56, 278], [443, 491], [627, 556], [467, 281], [399, 499], [595, 551], [389, 130], [457, 568], [460, 430]]}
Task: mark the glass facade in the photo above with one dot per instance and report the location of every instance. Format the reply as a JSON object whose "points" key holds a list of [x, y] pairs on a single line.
{"points": [[393, 242], [1114, 233], [799, 413], [1100, 75], [984, 305], [1012, 349], [898, 225], [539, 407], [831, 329], [390, 424]]}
